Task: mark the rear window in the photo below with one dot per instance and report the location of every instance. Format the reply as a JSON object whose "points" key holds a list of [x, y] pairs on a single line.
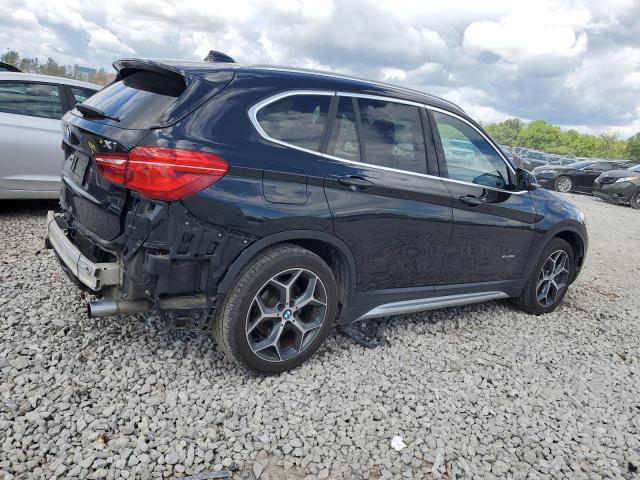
{"points": [[298, 119], [79, 95], [139, 99]]}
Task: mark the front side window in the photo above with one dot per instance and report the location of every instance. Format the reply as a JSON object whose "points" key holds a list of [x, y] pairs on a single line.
{"points": [[33, 99], [392, 135], [298, 119], [79, 95], [470, 158]]}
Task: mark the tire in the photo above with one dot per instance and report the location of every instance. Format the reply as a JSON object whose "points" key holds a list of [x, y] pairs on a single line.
{"points": [[529, 300], [253, 313], [635, 200], [563, 184]]}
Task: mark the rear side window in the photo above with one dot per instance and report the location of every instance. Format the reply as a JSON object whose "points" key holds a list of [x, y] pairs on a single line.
{"points": [[392, 135], [79, 95], [298, 120], [33, 99], [139, 99]]}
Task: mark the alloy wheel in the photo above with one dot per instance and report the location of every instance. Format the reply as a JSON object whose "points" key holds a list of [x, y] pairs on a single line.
{"points": [[553, 278], [286, 314], [564, 184]]}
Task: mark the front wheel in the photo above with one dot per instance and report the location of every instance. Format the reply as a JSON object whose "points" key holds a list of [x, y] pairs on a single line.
{"points": [[635, 200], [563, 184], [279, 311], [548, 283]]}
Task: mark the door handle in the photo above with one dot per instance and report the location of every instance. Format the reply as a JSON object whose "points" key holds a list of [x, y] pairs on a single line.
{"points": [[355, 182], [470, 200]]}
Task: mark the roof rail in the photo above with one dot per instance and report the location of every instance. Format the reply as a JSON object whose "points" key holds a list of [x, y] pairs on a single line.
{"points": [[358, 79]]}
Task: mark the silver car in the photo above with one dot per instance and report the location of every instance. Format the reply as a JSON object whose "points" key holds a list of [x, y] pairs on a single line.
{"points": [[30, 137]]}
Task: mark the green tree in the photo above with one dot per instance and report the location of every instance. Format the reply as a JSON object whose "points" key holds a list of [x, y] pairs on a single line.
{"points": [[539, 135], [507, 131], [11, 57], [632, 150], [29, 65], [53, 68]]}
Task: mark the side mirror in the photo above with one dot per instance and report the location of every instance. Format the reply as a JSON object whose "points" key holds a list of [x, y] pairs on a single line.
{"points": [[525, 180]]}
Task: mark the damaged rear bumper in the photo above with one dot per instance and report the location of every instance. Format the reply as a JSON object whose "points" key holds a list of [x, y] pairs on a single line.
{"points": [[94, 275], [164, 258]]}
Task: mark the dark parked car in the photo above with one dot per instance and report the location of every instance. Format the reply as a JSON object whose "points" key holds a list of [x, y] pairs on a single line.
{"points": [[530, 159], [278, 201], [575, 177], [7, 67], [619, 186]]}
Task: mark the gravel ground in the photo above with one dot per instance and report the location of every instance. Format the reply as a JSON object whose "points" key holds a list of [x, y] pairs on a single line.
{"points": [[481, 391]]}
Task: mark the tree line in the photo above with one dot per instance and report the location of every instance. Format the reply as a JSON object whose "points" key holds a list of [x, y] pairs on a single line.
{"points": [[51, 67], [541, 135]]}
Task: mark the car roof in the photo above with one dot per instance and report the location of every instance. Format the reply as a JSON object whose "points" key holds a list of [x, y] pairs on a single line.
{"points": [[330, 80], [33, 77]]}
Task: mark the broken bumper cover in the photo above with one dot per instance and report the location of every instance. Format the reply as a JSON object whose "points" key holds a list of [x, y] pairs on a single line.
{"points": [[96, 276]]}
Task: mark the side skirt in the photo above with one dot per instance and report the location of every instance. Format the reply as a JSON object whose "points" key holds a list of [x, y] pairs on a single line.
{"points": [[423, 304]]}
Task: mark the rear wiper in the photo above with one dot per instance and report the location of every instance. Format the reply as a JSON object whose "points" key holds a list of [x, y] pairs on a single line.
{"points": [[92, 112]]}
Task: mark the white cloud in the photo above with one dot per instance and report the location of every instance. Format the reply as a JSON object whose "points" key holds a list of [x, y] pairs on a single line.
{"points": [[106, 41], [390, 74], [531, 30], [571, 62]]}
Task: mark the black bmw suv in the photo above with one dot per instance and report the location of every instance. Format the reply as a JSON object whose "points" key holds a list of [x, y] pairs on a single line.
{"points": [[275, 202]]}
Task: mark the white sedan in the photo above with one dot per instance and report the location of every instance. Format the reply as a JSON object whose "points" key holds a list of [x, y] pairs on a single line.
{"points": [[30, 136]]}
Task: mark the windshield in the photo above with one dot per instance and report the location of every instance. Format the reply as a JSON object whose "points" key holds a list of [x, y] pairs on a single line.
{"points": [[580, 164]]}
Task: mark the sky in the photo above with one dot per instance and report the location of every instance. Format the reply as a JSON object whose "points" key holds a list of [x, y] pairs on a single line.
{"points": [[572, 63]]}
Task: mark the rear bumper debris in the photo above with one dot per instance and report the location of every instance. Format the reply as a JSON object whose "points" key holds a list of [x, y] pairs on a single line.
{"points": [[96, 276]]}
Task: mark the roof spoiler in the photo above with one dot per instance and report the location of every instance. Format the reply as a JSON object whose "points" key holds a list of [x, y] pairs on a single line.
{"points": [[126, 65], [200, 84], [218, 57]]}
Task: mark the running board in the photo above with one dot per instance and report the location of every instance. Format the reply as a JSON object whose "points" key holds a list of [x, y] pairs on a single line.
{"points": [[422, 304]]}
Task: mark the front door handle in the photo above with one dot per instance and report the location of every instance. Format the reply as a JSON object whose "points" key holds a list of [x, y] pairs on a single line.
{"points": [[470, 200], [355, 181]]}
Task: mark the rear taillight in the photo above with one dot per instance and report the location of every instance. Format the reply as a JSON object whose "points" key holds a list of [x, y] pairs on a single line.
{"points": [[162, 173]]}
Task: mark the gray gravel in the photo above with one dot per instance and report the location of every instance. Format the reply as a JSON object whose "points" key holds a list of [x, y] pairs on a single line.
{"points": [[479, 391]]}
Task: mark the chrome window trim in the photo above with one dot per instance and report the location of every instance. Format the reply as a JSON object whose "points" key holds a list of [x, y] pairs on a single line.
{"points": [[423, 175], [253, 115], [253, 111]]}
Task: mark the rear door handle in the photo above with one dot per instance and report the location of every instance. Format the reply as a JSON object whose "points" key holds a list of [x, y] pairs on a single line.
{"points": [[470, 200], [355, 181]]}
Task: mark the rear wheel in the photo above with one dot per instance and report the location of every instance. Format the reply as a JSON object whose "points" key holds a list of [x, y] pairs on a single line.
{"points": [[635, 200], [563, 184], [548, 283], [279, 311]]}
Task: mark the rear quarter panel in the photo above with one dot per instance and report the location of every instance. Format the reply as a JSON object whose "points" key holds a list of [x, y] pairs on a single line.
{"points": [[292, 179]]}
